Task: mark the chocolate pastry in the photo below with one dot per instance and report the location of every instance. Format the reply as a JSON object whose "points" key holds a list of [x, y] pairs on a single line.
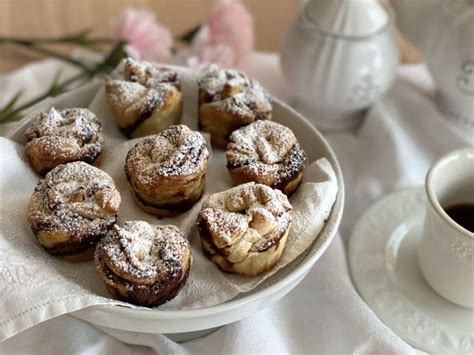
{"points": [[145, 99], [268, 153], [143, 264], [229, 100], [244, 229], [166, 171], [61, 136], [72, 208]]}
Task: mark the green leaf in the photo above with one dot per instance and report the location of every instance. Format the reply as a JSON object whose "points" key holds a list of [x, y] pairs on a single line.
{"points": [[7, 112], [56, 87], [113, 58], [188, 36], [80, 38]]}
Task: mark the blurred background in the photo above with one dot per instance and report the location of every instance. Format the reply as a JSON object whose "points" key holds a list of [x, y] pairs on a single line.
{"points": [[46, 18]]}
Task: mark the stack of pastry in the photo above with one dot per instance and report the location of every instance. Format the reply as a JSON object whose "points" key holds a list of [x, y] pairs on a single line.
{"points": [[243, 230]]}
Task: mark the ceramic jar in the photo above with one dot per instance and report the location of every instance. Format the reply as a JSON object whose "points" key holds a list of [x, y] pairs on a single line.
{"points": [[339, 57], [444, 32]]}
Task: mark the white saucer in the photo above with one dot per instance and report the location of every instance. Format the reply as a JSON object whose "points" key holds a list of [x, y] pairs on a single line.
{"points": [[384, 267]]}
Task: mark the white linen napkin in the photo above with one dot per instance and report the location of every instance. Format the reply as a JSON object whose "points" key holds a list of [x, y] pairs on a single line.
{"points": [[37, 286]]}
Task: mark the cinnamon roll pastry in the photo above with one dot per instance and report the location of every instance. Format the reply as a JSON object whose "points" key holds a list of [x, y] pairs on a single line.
{"points": [[268, 153], [229, 100], [143, 264], [72, 207], [244, 229], [166, 171], [61, 136], [144, 99]]}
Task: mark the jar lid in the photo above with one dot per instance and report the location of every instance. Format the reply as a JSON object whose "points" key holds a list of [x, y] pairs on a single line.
{"points": [[349, 18]]}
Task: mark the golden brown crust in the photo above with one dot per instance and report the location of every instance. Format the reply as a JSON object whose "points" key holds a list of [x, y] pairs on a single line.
{"points": [[166, 172], [144, 99], [72, 207], [170, 209], [86, 255], [244, 229], [229, 100], [61, 136], [144, 264], [268, 153]]}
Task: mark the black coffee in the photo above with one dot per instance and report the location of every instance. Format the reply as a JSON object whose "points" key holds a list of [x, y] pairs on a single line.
{"points": [[462, 214]]}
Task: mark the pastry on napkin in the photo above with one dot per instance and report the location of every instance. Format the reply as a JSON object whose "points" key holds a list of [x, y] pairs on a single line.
{"points": [[36, 286]]}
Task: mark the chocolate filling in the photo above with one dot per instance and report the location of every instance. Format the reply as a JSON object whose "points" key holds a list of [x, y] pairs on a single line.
{"points": [[144, 115], [161, 292]]}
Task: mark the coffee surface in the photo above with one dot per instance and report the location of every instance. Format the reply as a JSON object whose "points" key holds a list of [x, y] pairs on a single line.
{"points": [[462, 214]]}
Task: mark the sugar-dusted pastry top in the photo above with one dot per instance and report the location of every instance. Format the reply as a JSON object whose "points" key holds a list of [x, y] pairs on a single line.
{"points": [[247, 218], [233, 91], [174, 152], [137, 88], [266, 150], [71, 132], [77, 198], [145, 254]]}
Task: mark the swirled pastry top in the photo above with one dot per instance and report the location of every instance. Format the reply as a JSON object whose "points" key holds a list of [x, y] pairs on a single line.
{"points": [[75, 197], [232, 90], [175, 152], [248, 217], [266, 150], [70, 132], [140, 87], [145, 254]]}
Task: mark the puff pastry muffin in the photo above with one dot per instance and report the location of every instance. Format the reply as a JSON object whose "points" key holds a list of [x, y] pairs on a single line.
{"points": [[229, 100], [268, 153], [144, 99], [143, 264], [72, 207], [61, 136], [244, 229], [166, 171]]}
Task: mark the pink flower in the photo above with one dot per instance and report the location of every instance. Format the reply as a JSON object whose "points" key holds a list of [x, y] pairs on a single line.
{"points": [[227, 38], [146, 38]]}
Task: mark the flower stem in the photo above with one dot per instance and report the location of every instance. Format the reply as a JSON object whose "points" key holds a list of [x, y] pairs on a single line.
{"points": [[12, 115], [80, 38], [33, 47], [116, 54]]}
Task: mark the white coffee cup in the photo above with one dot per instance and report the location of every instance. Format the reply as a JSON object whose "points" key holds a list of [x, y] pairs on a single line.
{"points": [[446, 250]]}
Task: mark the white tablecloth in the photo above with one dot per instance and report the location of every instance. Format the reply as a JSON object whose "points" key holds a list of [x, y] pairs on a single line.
{"points": [[401, 136]]}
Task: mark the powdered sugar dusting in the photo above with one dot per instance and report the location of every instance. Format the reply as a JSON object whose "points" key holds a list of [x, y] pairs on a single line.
{"points": [[176, 151], [71, 132], [145, 253], [233, 91], [250, 209], [268, 151], [134, 86], [75, 197]]}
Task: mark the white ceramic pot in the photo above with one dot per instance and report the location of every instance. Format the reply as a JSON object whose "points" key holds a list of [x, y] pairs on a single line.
{"points": [[446, 251], [339, 57], [444, 32]]}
